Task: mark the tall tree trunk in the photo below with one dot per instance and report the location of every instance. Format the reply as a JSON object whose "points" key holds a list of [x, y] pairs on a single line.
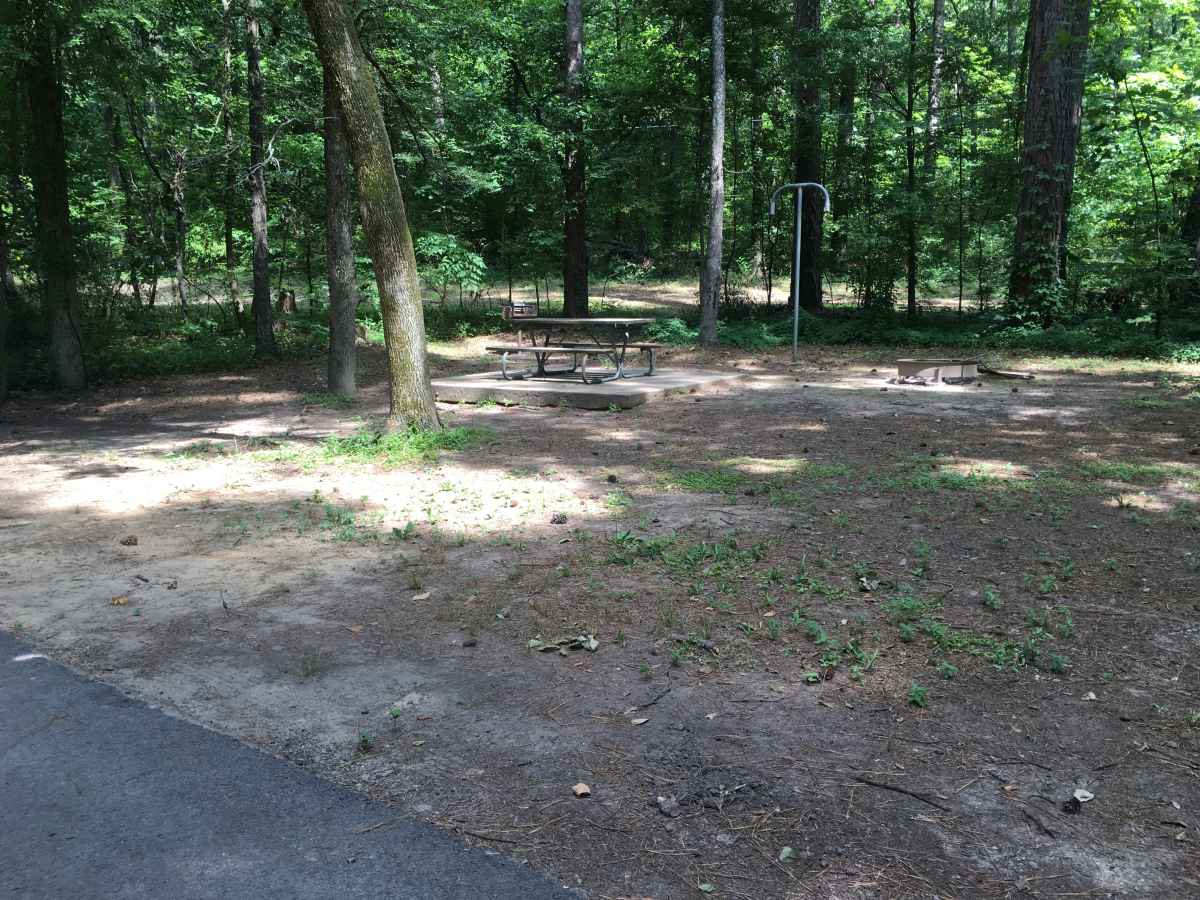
{"points": [[6, 223], [228, 193], [381, 207], [124, 181], [181, 228], [910, 157], [339, 229], [933, 116], [48, 168], [439, 98], [842, 198], [710, 279], [575, 256], [1053, 105], [1077, 70], [1190, 234], [264, 332], [806, 146], [758, 198]]}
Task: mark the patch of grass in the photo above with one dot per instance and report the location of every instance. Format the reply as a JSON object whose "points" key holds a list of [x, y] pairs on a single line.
{"points": [[390, 449], [705, 481], [1130, 472], [198, 450], [327, 400], [1147, 403], [618, 500], [918, 696]]}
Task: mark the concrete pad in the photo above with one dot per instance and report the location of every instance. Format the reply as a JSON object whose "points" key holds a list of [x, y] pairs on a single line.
{"points": [[624, 393]]}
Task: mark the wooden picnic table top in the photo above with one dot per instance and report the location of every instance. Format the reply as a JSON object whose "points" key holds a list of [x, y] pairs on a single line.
{"points": [[561, 322]]}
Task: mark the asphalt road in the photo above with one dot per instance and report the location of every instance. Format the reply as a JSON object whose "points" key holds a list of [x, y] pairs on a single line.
{"points": [[105, 797]]}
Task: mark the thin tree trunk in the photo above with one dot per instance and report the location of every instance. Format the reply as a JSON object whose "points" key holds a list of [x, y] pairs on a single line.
{"points": [[181, 228], [1051, 134], [48, 168], [1077, 70], [381, 206], [125, 183], [710, 279], [933, 119], [806, 153], [575, 256], [439, 98], [339, 228], [228, 192], [757, 194], [264, 331], [5, 250], [1190, 234], [842, 197], [910, 157]]}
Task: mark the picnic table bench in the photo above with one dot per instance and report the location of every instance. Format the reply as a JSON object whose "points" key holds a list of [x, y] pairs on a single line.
{"points": [[609, 339]]}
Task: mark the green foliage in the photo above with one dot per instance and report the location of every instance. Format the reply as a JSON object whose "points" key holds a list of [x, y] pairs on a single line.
{"points": [[395, 448]]}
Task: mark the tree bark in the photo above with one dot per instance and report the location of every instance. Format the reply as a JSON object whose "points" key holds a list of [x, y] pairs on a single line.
{"points": [[227, 194], [48, 168], [575, 255], [933, 117], [710, 279], [806, 148], [264, 332], [1053, 107], [339, 230], [381, 207]]}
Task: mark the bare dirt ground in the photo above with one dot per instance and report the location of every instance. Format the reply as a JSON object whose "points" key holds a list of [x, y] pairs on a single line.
{"points": [[860, 642]]}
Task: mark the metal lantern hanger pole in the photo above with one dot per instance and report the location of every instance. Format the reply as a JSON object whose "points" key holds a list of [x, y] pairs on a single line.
{"points": [[798, 187]]}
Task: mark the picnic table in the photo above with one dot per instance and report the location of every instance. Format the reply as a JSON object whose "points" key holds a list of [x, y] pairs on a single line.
{"points": [[609, 339]]}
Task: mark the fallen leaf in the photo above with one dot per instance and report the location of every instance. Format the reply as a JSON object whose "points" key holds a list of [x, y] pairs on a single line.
{"points": [[1083, 796], [582, 790], [710, 715], [706, 888], [638, 721], [786, 853], [418, 743], [1090, 695], [424, 595], [122, 600], [354, 629]]}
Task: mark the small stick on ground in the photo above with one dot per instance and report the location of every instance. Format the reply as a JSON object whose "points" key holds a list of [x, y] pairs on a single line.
{"points": [[899, 790]]}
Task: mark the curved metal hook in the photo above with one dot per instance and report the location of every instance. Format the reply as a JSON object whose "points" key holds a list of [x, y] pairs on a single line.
{"points": [[799, 186]]}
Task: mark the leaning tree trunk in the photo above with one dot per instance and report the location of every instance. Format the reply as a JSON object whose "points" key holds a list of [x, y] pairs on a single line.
{"points": [[264, 331], [48, 167], [381, 207], [710, 278], [575, 257], [339, 227], [1051, 133], [806, 153]]}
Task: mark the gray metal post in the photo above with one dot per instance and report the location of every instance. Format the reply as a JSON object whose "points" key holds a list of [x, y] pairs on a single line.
{"points": [[799, 229], [799, 187]]}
